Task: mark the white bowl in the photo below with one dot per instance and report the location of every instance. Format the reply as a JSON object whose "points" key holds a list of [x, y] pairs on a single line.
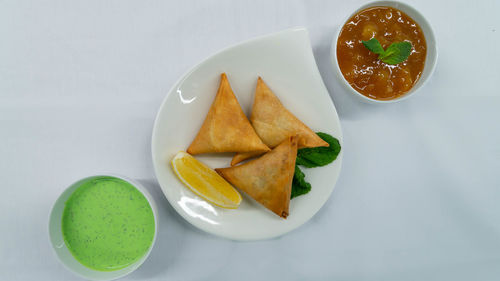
{"points": [[62, 252], [430, 59]]}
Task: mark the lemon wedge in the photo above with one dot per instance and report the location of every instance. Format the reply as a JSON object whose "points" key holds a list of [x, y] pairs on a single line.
{"points": [[204, 181]]}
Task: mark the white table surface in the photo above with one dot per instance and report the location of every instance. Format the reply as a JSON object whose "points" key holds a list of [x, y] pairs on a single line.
{"points": [[419, 194]]}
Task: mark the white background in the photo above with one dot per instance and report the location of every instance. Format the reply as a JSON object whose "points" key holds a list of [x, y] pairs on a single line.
{"points": [[418, 197]]}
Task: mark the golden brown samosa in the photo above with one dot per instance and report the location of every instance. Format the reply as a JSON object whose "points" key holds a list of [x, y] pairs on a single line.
{"points": [[226, 128], [267, 179], [274, 123]]}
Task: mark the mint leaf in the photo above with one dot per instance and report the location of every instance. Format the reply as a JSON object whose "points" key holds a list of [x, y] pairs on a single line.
{"points": [[319, 156], [313, 157], [396, 53], [374, 46], [299, 184]]}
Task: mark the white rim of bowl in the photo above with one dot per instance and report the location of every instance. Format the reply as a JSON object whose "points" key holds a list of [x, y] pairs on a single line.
{"points": [[152, 204], [429, 37]]}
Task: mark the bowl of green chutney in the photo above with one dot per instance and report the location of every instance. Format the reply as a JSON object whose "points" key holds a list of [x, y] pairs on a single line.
{"points": [[103, 227]]}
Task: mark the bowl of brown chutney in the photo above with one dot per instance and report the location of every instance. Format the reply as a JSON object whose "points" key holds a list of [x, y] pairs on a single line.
{"points": [[363, 73]]}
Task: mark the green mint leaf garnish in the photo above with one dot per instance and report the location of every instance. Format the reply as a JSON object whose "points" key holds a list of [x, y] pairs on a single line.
{"points": [[313, 157], [374, 46], [319, 156], [299, 185], [396, 53]]}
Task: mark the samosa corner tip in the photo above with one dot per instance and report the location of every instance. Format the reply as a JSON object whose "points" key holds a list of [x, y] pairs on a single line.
{"points": [[284, 215]]}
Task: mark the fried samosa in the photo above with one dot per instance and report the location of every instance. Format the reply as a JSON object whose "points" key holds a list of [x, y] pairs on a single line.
{"points": [[267, 179], [226, 128], [274, 123]]}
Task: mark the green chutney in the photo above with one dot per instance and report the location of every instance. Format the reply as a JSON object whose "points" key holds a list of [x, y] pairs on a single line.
{"points": [[107, 224]]}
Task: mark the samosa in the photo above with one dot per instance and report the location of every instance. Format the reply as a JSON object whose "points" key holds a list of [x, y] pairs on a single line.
{"points": [[274, 123], [226, 128], [267, 179]]}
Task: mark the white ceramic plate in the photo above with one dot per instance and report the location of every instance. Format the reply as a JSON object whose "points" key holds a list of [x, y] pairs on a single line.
{"points": [[286, 63]]}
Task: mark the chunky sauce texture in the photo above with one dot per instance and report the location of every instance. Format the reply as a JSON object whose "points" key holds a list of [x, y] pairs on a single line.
{"points": [[361, 68]]}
